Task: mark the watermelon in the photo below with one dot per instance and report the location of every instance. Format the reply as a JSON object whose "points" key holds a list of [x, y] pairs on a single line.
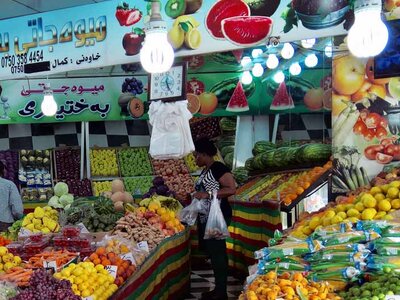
{"points": [[238, 55], [238, 101], [268, 159], [282, 100], [249, 164], [262, 146]]}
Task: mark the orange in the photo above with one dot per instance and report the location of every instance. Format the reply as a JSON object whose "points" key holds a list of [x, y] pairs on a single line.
{"points": [[105, 262], [101, 251], [93, 256], [299, 191], [111, 254], [96, 261], [306, 185]]}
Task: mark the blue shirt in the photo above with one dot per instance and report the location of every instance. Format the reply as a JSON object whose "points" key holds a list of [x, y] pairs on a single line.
{"points": [[11, 207]]}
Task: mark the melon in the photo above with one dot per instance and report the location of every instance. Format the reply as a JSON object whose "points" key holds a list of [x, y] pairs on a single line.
{"points": [[117, 186], [238, 101], [193, 103], [247, 30], [220, 11], [282, 100]]}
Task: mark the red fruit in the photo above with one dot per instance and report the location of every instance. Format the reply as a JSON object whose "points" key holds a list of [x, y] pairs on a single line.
{"points": [[381, 132], [360, 127], [373, 120], [282, 100], [247, 30], [383, 158], [238, 55], [195, 86], [132, 42], [220, 11], [393, 150], [387, 141], [121, 15], [238, 101], [371, 151], [133, 16]]}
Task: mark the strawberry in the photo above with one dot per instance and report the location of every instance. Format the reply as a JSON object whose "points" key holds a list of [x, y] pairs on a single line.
{"points": [[134, 16], [127, 16]]}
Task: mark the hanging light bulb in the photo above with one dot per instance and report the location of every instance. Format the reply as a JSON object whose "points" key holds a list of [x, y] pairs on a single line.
{"points": [[49, 105], [287, 51], [256, 53], [329, 50], [369, 35], [295, 69], [257, 70], [246, 77], [156, 55], [308, 43], [279, 77], [311, 61], [272, 61], [245, 61]]}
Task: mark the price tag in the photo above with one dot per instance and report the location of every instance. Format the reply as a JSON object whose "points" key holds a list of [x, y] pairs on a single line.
{"points": [[129, 256], [83, 228], [392, 297], [24, 232], [50, 264], [88, 298], [112, 270], [143, 246]]}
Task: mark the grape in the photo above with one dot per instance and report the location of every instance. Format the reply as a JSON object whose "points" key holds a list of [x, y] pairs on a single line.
{"points": [[132, 85]]}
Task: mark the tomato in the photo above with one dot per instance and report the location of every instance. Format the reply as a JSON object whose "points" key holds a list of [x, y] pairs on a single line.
{"points": [[381, 132], [360, 127], [373, 120], [383, 122], [371, 132], [393, 150], [387, 141], [371, 151], [383, 158]]}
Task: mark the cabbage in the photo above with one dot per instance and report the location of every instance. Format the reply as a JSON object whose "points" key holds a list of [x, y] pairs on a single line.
{"points": [[61, 189], [55, 202], [66, 199]]}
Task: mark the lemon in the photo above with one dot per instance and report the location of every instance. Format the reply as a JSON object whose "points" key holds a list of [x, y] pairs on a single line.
{"points": [[329, 214], [307, 230], [326, 221], [379, 215], [379, 196], [176, 36], [342, 214], [193, 38], [353, 219], [57, 275], [85, 293], [336, 219], [368, 200], [385, 188], [384, 205], [3, 251], [393, 192], [340, 207], [395, 203], [66, 272], [353, 212], [375, 190], [395, 184], [17, 260], [314, 223], [368, 214], [387, 217], [359, 206]]}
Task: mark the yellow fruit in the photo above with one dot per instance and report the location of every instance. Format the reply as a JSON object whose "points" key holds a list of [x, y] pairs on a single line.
{"points": [[66, 272], [353, 212], [379, 215], [17, 260], [342, 214], [379, 196], [375, 190], [8, 258], [395, 203], [359, 206], [161, 211], [340, 207], [393, 192], [385, 188], [329, 214], [387, 217], [368, 214], [336, 219], [395, 184], [314, 223], [85, 293], [326, 221], [353, 219], [176, 36], [38, 212], [193, 39], [384, 205], [3, 251], [368, 200]]}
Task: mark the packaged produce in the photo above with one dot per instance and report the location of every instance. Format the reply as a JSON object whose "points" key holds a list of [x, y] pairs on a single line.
{"points": [[346, 274], [332, 229], [7, 290], [279, 267], [216, 227], [350, 237], [289, 249], [345, 248], [329, 267], [60, 258], [323, 256], [385, 250]]}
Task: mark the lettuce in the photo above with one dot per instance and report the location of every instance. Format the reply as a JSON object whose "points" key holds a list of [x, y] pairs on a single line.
{"points": [[60, 189], [66, 199], [55, 202]]}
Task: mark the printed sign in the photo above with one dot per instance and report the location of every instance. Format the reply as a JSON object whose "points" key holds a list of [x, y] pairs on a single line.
{"points": [[143, 246], [50, 264], [112, 270], [129, 256]]}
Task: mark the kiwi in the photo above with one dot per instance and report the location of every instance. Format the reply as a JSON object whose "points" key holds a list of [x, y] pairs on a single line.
{"points": [[136, 108], [192, 6], [175, 8], [263, 7]]}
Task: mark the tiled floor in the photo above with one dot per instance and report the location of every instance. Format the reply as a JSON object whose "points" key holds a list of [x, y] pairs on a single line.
{"points": [[203, 281]]}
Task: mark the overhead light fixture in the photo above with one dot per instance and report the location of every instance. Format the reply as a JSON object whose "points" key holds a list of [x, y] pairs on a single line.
{"points": [[157, 54], [295, 69], [328, 50], [256, 53], [311, 60], [272, 61], [245, 61], [49, 105], [279, 77], [369, 35], [246, 77], [309, 43], [287, 51], [257, 70]]}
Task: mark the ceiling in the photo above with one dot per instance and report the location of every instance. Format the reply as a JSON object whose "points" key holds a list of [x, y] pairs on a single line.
{"points": [[16, 8]]}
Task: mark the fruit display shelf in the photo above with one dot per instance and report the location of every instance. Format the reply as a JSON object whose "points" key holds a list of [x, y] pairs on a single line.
{"points": [[134, 162], [104, 163], [67, 162], [280, 170]]}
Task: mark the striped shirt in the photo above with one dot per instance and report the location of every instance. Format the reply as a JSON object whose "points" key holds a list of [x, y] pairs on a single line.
{"points": [[11, 207]]}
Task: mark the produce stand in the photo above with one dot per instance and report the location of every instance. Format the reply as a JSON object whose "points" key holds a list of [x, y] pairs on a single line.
{"points": [[164, 275]]}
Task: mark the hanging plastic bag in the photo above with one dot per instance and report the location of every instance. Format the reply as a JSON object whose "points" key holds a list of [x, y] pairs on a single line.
{"points": [[189, 214], [216, 227]]}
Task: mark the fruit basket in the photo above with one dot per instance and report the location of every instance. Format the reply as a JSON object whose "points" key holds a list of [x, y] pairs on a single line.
{"points": [[134, 162], [138, 185], [104, 162], [67, 162]]}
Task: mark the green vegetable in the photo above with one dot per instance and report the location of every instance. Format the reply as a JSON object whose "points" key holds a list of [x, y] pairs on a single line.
{"points": [[60, 189], [66, 199]]}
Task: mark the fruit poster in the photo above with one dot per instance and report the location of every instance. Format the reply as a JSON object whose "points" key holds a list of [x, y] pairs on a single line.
{"points": [[366, 121], [111, 32]]}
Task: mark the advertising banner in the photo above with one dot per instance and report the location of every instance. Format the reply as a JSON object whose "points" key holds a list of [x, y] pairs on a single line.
{"points": [[111, 33]]}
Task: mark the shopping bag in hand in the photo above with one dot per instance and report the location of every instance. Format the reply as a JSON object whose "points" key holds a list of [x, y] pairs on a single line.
{"points": [[188, 215], [216, 227]]}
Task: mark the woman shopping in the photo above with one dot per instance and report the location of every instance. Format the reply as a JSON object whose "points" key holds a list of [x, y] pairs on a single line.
{"points": [[214, 177]]}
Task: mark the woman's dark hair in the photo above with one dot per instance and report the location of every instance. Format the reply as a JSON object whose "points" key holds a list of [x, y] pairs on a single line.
{"points": [[1, 168], [205, 146]]}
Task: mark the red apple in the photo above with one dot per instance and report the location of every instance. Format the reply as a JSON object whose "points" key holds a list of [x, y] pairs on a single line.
{"points": [[132, 42]]}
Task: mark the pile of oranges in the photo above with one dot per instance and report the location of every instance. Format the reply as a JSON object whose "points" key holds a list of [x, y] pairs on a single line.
{"points": [[287, 286], [102, 257], [303, 182], [4, 241]]}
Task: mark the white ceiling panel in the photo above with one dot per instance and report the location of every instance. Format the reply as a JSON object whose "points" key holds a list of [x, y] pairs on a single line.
{"points": [[12, 9]]}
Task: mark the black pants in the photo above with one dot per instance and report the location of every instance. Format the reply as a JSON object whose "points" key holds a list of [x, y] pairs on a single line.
{"points": [[4, 226], [216, 250]]}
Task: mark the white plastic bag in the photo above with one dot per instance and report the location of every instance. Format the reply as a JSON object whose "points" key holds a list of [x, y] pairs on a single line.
{"points": [[189, 214], [216, 227]]}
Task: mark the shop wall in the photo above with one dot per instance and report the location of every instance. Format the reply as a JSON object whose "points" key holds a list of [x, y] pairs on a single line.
{"points": [[102, 134]]}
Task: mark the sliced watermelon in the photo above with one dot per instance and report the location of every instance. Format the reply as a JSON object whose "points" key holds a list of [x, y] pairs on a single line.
{"points": [[247, 30], [282, 99], [238, 54], [238, 101]]}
